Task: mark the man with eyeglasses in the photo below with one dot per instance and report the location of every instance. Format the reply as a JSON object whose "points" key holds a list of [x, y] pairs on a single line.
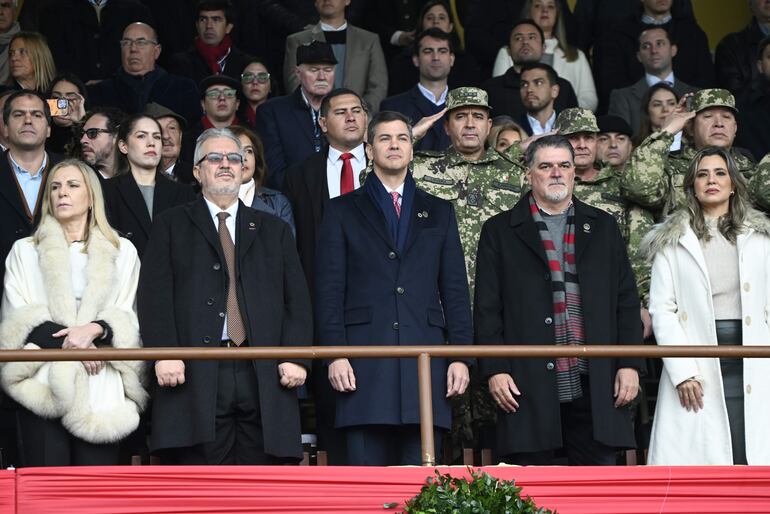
{"points": [[139, 80], [229, 411], [97, 142], [288, 125], [213, 52], [83, 34], [526, 43], [23, 167], [220, 101]]}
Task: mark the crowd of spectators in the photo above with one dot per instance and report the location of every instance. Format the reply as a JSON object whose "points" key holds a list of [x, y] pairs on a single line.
{"points": [[127, 125]]}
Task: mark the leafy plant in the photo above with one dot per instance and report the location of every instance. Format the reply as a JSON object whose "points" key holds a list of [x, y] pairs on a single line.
{"points": [[482, 494]]}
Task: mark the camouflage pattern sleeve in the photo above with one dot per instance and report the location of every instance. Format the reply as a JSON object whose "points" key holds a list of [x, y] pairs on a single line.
{"points": [[759, 184], [515, 154], [644, 180], [640, 221]]}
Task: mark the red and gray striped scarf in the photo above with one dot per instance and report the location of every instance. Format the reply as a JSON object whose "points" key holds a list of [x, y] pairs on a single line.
{"points": [[567, 308]]}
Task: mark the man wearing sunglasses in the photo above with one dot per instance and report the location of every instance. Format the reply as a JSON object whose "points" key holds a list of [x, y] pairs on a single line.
{"points": [[248, 290], [139, 80], [220, 100], [213, 52], [97, 142]]}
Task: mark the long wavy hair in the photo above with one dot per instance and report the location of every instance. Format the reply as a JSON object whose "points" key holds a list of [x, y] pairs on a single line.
{"points": [[97, 215], [559, 31], [260, 164], [730, 224]]}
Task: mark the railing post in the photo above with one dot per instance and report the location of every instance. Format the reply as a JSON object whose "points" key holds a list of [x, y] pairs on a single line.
{"points": [[426, 410]]}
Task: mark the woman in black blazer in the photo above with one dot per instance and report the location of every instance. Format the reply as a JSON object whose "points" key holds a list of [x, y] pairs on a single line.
{"points": [[139, 192]]}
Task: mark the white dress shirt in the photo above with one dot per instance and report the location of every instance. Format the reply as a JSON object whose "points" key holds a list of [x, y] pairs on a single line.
{"points": [[334, 168], [230, 223]]}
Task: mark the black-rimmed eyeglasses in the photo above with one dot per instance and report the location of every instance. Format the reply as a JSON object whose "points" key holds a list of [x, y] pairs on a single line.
{"points": [[93, 133], [216, 158]]}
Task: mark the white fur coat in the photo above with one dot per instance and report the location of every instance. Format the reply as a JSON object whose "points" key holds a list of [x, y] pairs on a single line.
{"points": [[38, 288], [683, 314]]}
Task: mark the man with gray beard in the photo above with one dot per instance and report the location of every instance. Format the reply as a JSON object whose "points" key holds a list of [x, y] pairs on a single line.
{"points": [[212, 284]]}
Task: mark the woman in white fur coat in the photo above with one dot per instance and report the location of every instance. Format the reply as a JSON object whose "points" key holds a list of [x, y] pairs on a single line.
{"points": [[72, 286], [711, 285]]}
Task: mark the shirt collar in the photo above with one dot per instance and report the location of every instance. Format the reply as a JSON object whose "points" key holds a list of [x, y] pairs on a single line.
{"points": [[399, 189], [358, 153], [214, 209], [649, 20], [652, 79], [329, 28], [548, 123], [427, 93], [17, 167]]}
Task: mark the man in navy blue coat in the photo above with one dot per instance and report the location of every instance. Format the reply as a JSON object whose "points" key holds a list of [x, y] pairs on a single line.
{"points": [[434, 57], [390, 271]]}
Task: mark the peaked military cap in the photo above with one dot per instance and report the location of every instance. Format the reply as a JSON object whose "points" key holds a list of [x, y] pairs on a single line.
{"points": [[467, 96], [574, 120], [706, 98]]}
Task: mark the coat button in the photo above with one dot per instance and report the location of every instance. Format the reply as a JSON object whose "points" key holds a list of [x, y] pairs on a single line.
{"points": [[400, 290], [210, 301], [19, 231], [207, 339], [221, 314], [748, 320], [548, 320], [683, 316], [746, 287], [217, 267], [395, 325], [392, 255], [549, 366], [546, 276], [748, 389], [129, 235]]}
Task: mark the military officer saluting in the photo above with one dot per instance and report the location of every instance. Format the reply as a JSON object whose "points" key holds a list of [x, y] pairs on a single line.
{"points": [[479, 181]]}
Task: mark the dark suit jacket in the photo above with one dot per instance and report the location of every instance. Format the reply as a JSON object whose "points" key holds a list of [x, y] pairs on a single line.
{"points": [[626, 102], [735, 58], [415, 106], [368, 293], [16, 223], [505, 98], [753, 104], [190, 64], [127, 211], [514, 306], [182, 299], [285, 125]]}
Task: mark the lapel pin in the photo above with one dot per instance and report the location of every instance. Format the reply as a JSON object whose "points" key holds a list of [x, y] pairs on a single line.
{"points": [[419, 215], [586, 228], [424, 214], [252, 225]]}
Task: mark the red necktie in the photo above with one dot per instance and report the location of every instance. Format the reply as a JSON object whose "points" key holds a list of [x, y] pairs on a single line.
{"points": [[396, 205], [346, 178]]}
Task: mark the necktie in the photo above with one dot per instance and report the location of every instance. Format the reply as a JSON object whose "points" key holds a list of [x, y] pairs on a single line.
{"points": [[235, 329], [396, 205], [346, 178]]}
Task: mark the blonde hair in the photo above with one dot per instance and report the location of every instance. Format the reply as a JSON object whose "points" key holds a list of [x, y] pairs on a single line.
{"points": [[97, 215], [40, 56]]}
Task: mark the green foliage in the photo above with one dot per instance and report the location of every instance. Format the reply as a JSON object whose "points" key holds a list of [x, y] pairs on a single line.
{"points": [[483, 494]]}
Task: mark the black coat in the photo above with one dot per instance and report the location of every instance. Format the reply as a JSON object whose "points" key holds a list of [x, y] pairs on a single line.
{"points": [[753, 114], [735, 58], [17, 223], [190, 64], [505, 97], [127, 211], [415, 106], [514, 305], [132, 94], [83, 45], [181, 302]]}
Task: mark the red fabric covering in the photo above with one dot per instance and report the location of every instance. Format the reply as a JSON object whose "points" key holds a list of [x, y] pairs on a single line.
{"points": [[7, 490], [148, 489]]}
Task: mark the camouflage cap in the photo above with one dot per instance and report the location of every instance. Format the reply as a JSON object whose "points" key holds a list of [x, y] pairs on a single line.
{"points": [[706, 98], [574, 120], [465, 96]]}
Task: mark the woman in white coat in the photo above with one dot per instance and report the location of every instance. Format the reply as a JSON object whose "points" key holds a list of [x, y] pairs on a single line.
{"points": [[72, 285], [711, 285], [569, 62]]}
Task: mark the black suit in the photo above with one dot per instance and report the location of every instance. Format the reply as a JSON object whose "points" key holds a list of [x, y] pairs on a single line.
{"points": [[505, 98], [181, 303], [17, 221], [514, 306], [415, 106], [127, 211], [190, 64]]}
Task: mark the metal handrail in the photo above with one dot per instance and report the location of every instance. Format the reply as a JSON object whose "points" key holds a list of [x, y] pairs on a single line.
{"points": [[422, 353]]}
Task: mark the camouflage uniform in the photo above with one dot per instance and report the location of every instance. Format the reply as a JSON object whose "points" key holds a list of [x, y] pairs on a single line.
{"points": [[603, 192], [654, 176], [759, 185]]}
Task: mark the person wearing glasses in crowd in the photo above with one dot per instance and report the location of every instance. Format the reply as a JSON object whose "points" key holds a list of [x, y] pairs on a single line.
{"points": [[220, 100], [228, 411], [71, 89], [212, 52], [139, 80], [139, 191], [97, 140], [256, 87]]}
